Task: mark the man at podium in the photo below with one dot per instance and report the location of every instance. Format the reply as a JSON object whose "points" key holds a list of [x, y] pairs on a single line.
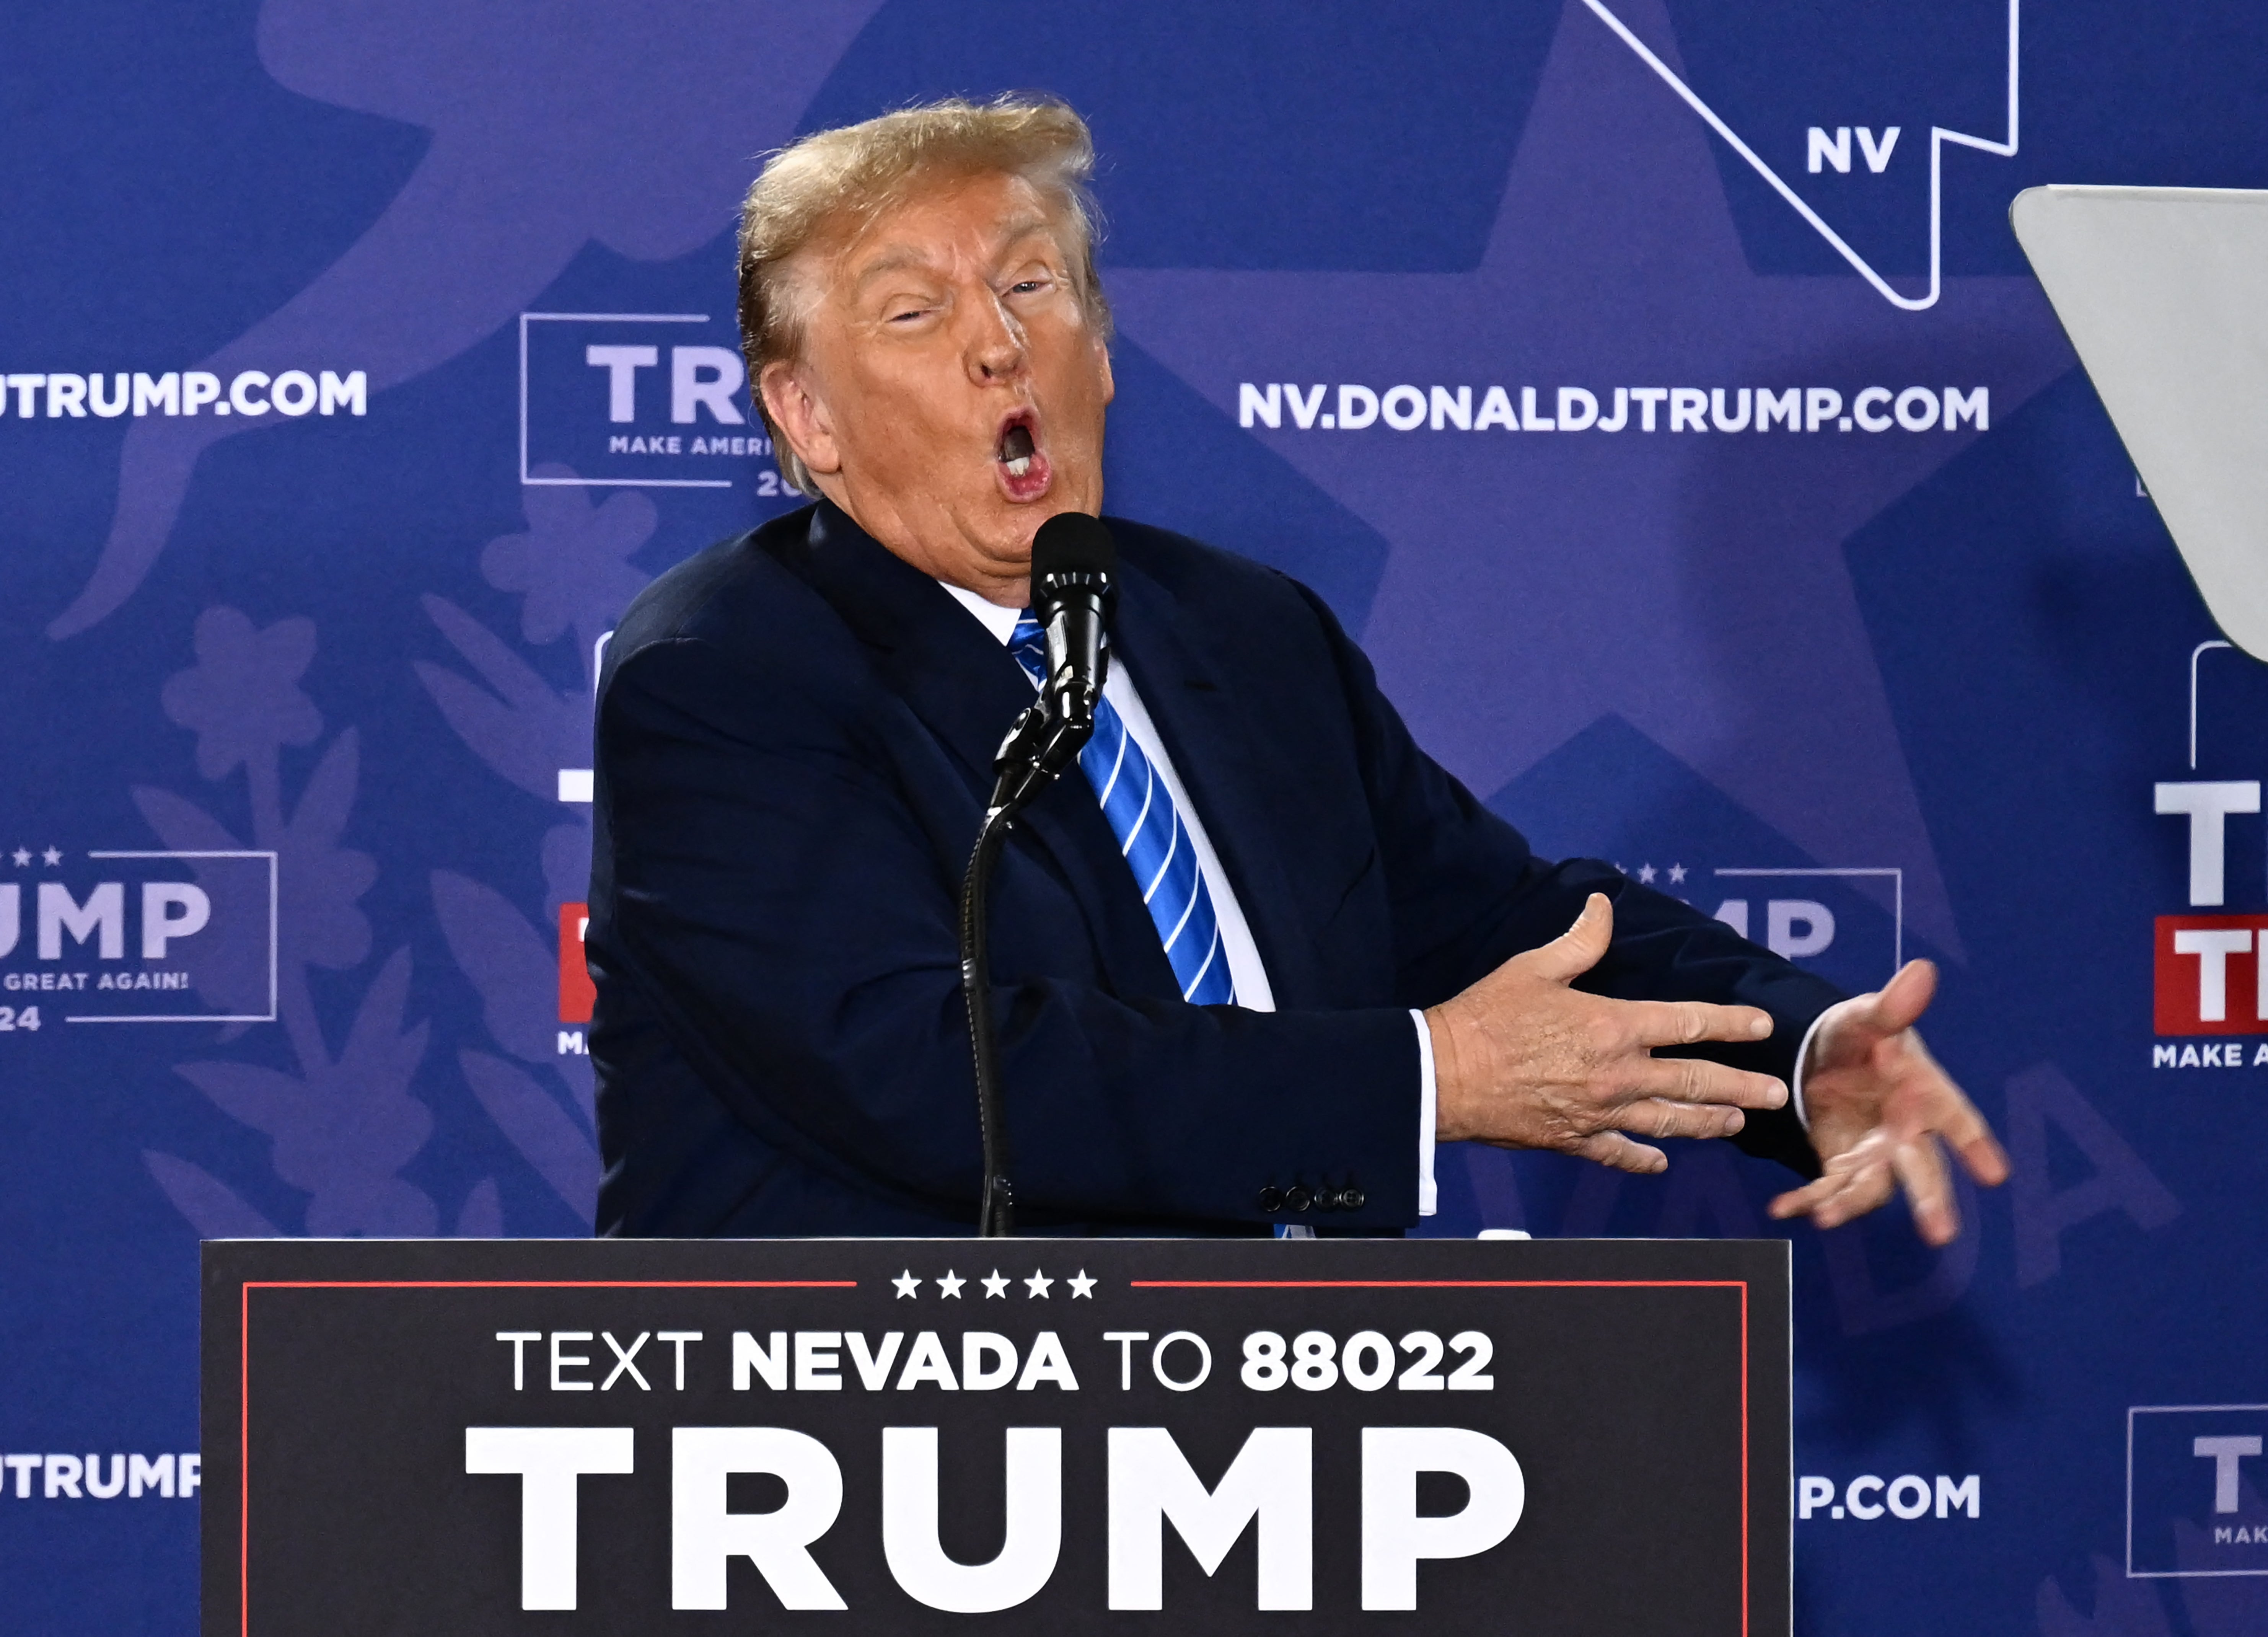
{"points": [[1250, 967]]}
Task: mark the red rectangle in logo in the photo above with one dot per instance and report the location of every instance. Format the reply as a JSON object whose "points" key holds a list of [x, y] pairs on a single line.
{"points": [[577, 994], [2209, 976]]}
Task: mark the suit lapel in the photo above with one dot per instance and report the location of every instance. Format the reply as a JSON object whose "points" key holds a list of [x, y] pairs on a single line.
{"points": [[1227, 770], [942, 663], [962, 684]]}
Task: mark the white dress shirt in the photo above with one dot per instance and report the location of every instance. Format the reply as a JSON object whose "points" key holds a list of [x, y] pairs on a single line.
{"points": [[1246, 969]]}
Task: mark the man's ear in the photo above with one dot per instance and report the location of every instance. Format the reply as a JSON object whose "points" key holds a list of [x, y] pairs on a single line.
{"points": [[801, 418]]}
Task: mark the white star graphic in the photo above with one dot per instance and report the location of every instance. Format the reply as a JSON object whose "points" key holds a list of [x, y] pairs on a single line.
{"points": [[1646, 873], [951, 1284], [1038, 1284], [1677, 875], [1081, 1285], [996, 1286], [22, 857], [51, 856], [907, 1284]]}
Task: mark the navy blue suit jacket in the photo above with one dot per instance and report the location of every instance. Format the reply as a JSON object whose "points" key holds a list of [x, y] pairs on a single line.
{"points": [[795, 734]]}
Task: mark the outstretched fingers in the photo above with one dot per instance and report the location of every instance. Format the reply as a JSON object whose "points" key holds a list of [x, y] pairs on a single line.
{"points": [[1654, 1116], [1940, 1106], [1619, 1153], [1576, 950], [1690, 1022], [1928, 1184], [1973, 1140], [1697, 1080], [1855, 1183], [1897, 1005]]}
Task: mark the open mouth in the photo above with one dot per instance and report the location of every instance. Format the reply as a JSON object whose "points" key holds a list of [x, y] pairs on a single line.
{"points": [[1016, 450], [1017, 457]]}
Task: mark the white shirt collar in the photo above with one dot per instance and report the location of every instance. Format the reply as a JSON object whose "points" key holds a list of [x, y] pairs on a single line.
{"points": [[999, 620]]}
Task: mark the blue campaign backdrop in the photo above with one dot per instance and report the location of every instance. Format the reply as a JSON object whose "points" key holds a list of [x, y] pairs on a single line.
{"points": [[1856, 629]]}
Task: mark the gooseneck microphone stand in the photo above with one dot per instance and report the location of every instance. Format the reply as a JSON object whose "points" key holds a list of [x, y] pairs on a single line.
{"points": [[1041, 745], [1071, 564]]}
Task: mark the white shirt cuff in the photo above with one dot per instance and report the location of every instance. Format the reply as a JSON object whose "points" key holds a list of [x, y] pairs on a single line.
{"points": [[1796, 1081], [1428, 1194]]}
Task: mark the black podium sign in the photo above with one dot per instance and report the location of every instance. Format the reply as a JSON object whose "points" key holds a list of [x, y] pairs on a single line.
{"points": [[1033, 1435]]}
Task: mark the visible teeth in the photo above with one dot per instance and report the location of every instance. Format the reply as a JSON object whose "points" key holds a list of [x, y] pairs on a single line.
{"points": [[1019, 466], [1016, 445]]}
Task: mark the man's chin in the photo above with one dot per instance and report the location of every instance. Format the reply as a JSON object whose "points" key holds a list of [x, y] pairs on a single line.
{"points": [[980, 539]]}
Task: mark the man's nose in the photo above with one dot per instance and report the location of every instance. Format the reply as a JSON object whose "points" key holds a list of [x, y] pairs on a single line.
{"points": [[996, 347]]}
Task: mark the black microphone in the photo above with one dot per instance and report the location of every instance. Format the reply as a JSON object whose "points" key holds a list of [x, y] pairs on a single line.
{"points": [[1073, 562]]}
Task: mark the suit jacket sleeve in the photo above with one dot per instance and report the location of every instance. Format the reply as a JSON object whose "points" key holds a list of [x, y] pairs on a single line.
{"points": [[1468, 894], [778, 900]]}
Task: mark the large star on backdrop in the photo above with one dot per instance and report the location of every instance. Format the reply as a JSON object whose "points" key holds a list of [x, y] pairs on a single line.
{"points": [[1692, 583]]}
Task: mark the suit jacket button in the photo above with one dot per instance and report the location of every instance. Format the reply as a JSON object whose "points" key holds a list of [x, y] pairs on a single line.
{"points": [[1271, 1200], [1351, 1198], [1300, 1198]]}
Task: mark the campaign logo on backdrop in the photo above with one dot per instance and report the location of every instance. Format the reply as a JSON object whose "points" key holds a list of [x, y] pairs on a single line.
{"points": [[637, 400], [69, 1478], [1870, 1498], [2209, 974], [578, 996], [2193, 1490], [1408, 409], [135, 937], [1823, 919], [59, 396], [1830, 920]]}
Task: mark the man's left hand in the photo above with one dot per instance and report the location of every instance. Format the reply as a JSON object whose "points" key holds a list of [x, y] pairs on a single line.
{"points": [[1878, 1104]]}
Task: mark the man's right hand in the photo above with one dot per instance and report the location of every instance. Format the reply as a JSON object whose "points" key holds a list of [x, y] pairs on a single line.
{"points": [[1522, 1060]]}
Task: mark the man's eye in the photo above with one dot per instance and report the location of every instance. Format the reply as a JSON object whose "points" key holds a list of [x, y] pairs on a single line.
{"points": [[1027, 286]]}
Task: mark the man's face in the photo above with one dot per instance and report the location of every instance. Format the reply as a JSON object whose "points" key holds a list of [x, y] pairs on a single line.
{"points": [[951, 393]]}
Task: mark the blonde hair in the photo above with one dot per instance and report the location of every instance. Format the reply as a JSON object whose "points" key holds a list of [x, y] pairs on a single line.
{"points": [[814, 187]]}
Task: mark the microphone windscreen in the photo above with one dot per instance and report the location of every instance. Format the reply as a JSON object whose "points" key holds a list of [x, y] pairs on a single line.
{"points": [[1073, 542]]}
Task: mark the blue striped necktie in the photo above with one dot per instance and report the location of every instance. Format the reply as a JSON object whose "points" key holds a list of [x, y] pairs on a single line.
{"points": [[1150, 836]]}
